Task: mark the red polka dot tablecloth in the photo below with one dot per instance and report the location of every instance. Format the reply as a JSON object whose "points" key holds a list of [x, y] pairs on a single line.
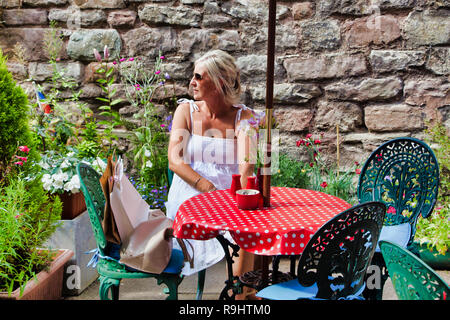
{"points": [[284, 228]]}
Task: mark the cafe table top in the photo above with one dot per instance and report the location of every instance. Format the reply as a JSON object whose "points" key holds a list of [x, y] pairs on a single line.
{"points": [[284, 228]]}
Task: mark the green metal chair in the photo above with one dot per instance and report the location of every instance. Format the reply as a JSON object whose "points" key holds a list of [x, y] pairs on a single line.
{"points": [[403, 173], [412, 278], [110, 270], [335, 260]]}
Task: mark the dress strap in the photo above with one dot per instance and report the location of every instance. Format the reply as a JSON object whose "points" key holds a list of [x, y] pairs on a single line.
{"points": [[192, 107], [238, 114]]}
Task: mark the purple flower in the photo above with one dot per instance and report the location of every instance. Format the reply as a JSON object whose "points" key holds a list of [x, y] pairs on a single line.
{"points": [[166, 75], [122, 59], [106, 52], [131, 59], [157, 71], [97, 56]]}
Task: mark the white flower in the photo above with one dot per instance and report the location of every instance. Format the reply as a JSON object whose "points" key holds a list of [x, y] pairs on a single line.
{"points": [[147, 153], [99, 163], [71, 154], [148, 164], [47, 181], [73, 185], [65, 164], [44, 165]]}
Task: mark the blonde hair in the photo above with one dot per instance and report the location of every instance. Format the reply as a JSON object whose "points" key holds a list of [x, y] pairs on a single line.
{"points": [[222, 70]]}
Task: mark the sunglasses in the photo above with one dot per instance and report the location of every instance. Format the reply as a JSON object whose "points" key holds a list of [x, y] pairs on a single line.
{"points": [[197, 76]]}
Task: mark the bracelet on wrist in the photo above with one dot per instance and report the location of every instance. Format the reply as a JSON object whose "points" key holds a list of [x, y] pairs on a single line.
{"points": [[195, 183]]}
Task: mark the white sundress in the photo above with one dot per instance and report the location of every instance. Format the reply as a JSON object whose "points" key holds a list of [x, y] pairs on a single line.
{"points": [[219, 171]]}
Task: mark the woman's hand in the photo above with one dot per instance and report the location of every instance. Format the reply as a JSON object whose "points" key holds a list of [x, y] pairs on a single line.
{"points": [[204, 185]]}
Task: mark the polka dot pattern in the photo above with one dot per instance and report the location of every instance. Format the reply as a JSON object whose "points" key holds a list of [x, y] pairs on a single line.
{"points": [[285, 228]]}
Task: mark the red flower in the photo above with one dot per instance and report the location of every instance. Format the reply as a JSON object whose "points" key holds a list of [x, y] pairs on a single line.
{"points": [[24, 149], [309, 135], [300, 142], [317, 141], [356, 163], [358, 171], [392, 210], [23, 159], [18, 163], [311, 164], [324, 184]]}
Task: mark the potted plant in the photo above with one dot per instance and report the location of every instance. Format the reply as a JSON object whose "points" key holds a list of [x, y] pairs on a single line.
{"points": [[29, 216], [58, 176]]}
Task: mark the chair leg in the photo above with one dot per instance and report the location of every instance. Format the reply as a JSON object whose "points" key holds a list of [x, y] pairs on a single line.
{"points": [[200, 283], [172, 282], [109, 285]]}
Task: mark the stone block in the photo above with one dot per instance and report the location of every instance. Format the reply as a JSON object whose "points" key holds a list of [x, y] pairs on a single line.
{"points": [[302, 10], [393, 117], [85, 18], [439, 61], [44, 71], [44, 3], [155, 14], [375, 29], [347, 115], [99, 4], [82, 43], [287, 93], [18, 17], [427, 28], [122, 18], [320, 35], [392, 60], [147, 41], [365, 89], [333, 65], [293, 119], [76, 235], [31, 40]]}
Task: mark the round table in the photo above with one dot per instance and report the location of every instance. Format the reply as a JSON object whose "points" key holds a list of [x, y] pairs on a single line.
{"points": [[284, 228]]}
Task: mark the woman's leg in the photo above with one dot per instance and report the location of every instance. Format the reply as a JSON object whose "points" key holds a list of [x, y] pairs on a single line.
{"points": [[245, 262]]}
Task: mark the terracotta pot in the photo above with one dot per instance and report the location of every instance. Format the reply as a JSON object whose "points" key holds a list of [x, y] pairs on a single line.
{"points": [[73, 205], [47, 285]]}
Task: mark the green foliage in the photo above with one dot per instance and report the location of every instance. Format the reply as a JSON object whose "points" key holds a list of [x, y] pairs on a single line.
{"points": [[435, 230], [325, 178], [112, 116], [28, 217], [14, 129], [291, 173], [148, 152]]}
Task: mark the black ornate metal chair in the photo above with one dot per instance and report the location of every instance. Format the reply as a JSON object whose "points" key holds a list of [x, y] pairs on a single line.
{"points": [[403, 173], [412, 278], [334, 262], [110, 270]]}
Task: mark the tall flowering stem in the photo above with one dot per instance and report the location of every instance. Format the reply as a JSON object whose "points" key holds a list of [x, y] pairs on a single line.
{"points": [[106, 81], [143, 85]]}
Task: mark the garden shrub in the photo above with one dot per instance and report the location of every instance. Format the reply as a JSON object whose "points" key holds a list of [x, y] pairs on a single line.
{"points": [[14, 129]]}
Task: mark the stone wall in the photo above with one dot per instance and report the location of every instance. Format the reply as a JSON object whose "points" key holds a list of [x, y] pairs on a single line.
{"points": [[378, 69]]}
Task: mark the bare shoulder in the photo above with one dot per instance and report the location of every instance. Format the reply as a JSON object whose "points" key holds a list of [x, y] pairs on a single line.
{"points": [[246, 114]]}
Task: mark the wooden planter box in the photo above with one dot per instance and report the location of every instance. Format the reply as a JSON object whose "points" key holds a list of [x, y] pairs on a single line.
{"points": [[47, 285], [73, 205]]}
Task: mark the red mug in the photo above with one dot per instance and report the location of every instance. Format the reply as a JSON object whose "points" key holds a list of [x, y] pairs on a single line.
{"points": [[247, 199]]}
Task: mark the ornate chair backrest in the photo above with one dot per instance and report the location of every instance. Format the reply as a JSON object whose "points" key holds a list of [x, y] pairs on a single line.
{"points": [[338, 254], [411, 277], [403, 173], [95, 201]]}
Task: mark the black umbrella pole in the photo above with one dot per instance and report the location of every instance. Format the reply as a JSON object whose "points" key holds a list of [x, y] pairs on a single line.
{"points": [[269, 99]]}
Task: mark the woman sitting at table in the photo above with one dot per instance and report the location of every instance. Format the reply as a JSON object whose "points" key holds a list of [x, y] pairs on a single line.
{"points": [[206, 147]]}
